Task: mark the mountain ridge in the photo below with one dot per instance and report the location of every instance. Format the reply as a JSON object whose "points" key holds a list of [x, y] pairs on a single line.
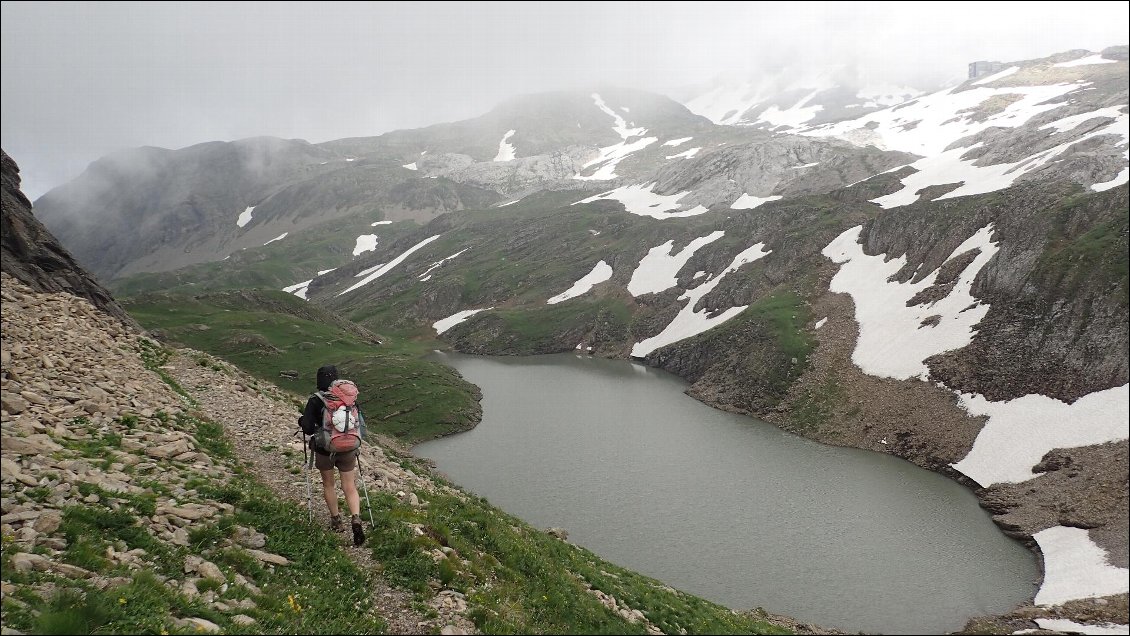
{"points": [[952, 301]]}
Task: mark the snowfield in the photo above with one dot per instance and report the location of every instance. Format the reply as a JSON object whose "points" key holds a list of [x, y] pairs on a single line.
{"points": [[689, 322], [641, 201], [1019, 432], [384, 269], [609, 156], [600, 272], [454, 319], [245, 216], [658, 270], [894, 339], [506, 151], [1074, 567]]}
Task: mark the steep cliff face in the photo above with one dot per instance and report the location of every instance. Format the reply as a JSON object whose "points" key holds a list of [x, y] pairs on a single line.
{"points": [[35, 258]]}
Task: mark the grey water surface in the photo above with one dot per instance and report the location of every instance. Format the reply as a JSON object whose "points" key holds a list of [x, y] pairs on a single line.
{"points": [[727, 507]]}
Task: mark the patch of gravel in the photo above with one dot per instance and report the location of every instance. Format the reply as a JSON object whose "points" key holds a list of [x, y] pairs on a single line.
{"points": [[268, 417]]}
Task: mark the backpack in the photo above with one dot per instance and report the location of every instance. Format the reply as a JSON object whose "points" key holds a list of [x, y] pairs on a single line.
{"points": [[342, 425]]}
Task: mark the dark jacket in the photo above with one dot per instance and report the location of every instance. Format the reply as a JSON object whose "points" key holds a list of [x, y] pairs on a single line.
{"points": [[311, 419]]}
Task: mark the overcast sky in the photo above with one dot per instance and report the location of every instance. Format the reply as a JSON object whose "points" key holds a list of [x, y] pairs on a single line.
{"points": [[81, 80]]}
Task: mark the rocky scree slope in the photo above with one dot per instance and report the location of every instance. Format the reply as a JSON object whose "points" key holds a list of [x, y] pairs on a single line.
{"points": [[116, 484]]}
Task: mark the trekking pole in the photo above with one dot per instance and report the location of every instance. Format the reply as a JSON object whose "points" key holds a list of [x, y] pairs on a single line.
{"points": [[361, 478], [306, 464]]}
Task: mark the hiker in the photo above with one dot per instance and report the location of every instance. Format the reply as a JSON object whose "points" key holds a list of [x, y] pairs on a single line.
{"points": [[311, 422]]}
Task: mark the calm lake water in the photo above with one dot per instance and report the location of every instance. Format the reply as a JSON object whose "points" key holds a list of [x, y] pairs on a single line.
{"points": [[726, 507]]}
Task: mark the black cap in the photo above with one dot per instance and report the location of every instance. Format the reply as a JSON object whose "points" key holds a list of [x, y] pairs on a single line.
{"points": [[326, 376]]}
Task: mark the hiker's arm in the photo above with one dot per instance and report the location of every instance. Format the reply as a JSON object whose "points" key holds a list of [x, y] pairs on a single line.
{"points": [[311, 416]]}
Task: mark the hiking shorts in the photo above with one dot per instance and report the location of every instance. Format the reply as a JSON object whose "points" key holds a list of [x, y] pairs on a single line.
{"points": [[344, 462]]}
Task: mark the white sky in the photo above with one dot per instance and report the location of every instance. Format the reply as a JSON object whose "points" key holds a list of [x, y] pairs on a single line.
{"points": [[81, 80]]}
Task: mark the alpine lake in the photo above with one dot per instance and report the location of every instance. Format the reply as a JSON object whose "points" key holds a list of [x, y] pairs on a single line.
{"points": [[726, 507]]}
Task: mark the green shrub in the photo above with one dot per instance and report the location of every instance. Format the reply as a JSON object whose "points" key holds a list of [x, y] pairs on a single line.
{"points": [[73, 612]]}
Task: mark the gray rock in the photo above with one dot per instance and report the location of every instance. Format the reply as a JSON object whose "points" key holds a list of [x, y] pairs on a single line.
{"points": [[211, 571], [196, 625]]}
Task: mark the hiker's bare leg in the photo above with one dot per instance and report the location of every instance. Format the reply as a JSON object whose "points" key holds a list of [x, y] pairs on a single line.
{"points": [[349, 485], [329, 492]]}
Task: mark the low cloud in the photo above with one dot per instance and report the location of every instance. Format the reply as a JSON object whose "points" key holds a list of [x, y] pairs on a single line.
{"points": [[81, 80]]}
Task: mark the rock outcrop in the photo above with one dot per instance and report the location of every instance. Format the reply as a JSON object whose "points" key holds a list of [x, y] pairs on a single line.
{"points": [[33, 256]]}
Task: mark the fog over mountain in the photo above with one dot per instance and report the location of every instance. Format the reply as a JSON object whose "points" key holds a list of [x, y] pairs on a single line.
{"points": [[82, 80]]}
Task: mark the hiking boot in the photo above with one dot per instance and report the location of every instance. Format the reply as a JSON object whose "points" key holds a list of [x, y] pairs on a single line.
{"points": [[335, 523], [358, 535]]}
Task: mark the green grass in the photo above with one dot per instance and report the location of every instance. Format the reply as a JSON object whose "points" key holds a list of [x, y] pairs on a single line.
{"points": [[320, 248], [519, 580], [815, 407], [542, 328], [401, 394], [1097, 258]]}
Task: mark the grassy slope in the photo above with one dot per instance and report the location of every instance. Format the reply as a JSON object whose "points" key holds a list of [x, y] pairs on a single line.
{"points": [[402, 395], [280, 264], [517, 578]]}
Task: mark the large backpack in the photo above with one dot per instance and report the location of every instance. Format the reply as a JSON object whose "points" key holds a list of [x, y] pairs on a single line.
{"points": [[342, 425]]}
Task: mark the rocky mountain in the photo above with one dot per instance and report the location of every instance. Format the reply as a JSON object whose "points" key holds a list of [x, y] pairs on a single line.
{"points": [[33, 256], [944, 278], [155, 210], [790, 101], [146, 489]]}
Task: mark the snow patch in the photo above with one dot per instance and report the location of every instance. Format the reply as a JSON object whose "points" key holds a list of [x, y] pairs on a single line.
{"points": [[600, 272], [410, 166], [506, 151], [245, 216], [893, 339], [793, 117], [1074, 567], [1122, 177], [1070, 122], [365, 243], [454, 319], [1019, 432], [376, 223], [996, 76], [749, 202], [384, 269], [676, 142], [277, 238], [927, 125], [807, 165], [299, 289], [610, 156], [1071, 627], [426, 276], [640, 200], [658, 270], [949, 167], [887, 95], [366, 272], [689, 322], [1085, 61], [685, 155]]}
